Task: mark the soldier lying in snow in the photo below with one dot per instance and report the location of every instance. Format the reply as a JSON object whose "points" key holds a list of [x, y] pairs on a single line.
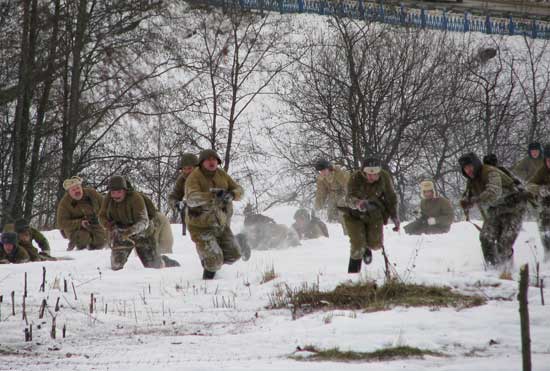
{"points": [[262, 233]]}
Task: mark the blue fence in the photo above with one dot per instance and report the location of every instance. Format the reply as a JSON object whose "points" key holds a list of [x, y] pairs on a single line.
{"points": [[399, 15]]}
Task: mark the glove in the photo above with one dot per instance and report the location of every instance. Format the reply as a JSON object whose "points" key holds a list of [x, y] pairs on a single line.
{"points": [[362, 205], [397, 224], [84, 223], [431, 221], [228, 196], [121, 234]]}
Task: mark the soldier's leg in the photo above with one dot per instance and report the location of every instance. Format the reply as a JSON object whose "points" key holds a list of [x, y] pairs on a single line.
{"points": [[99, 237], [164, 235], [119, 254], [415, 227], [358, 242], [488, 237], [230, 246], [81, 238], [147, 251], [209, 251]]}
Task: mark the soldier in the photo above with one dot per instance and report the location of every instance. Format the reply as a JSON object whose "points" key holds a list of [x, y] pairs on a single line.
{"points": [[331, 189], [124, 213], [436, 213], [26, 235], [209, 193], [308, 228], [539, 185], [372, 201], [492, 160], [188, 162], [502, 205], [77, 216], [528, 166], [10, 251], [263, 233]]}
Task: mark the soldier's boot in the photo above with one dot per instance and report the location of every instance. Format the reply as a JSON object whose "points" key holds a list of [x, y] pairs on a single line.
{"points": [[245, 248], [96, 247], [354, 265], [81, 247], [71, 246], [169, 263], [208, 275], [367, 256]]}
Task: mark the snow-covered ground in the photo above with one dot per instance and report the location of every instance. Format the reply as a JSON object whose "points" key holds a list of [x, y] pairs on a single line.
{"points": [[170, 319]]}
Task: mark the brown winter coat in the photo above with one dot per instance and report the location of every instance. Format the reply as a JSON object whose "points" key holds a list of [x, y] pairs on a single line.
{"points": [[527, 167], [439, 208], [178, 192], [130, 214], [491, 186], [331, 189], [70, 213], [381, 193]]}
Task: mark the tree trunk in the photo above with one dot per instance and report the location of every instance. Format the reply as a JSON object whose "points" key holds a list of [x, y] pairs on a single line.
{"points": [[524, 317]]}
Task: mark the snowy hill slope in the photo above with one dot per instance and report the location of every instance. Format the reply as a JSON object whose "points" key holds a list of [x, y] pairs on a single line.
{"points": [[171, 319]]}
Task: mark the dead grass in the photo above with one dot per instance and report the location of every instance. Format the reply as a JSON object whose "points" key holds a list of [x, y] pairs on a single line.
{"points": [[386, 354], [369, 297], [268, 274]]}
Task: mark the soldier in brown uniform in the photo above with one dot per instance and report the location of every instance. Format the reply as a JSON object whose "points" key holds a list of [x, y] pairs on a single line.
{"points": [[77, 216], [331, 189], [436, 213], [209, 193], [124, 213], [372, 201], [10, 251], [503, 206], [539, 186], [188, 162], [528, 166], [26, 235]]}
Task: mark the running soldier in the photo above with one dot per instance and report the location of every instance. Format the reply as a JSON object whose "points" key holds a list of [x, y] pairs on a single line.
{"points": [[209, 192], [331, 189], [436, 213], [77, 216], [372, 201], [529, 165], [539, 186], [502, 204]]}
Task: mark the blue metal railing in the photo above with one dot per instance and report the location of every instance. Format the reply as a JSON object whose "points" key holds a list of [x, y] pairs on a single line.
{"points": [[399, 15]]}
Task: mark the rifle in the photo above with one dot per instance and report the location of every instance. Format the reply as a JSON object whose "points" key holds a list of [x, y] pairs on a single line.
{"points": [[181, 206]]}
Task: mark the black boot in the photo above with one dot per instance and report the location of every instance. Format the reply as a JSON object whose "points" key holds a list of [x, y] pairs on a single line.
{"points": [[207, 275], [367, 256], [354, 265]]}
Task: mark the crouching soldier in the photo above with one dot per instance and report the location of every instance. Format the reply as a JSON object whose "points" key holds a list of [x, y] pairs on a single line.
{"points": [[539, 185], [530, 164], [308, 227], [371, 201], [26, 235], [124, 214], [209, 193], [264, 233], [502, 205], [436, 213], [77, 216], [10, 251]]}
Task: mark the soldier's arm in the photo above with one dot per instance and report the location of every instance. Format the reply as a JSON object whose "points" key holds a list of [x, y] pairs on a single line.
{"points": [[447, 215], [493, 188], [22, 256], [390, 196], [234, 187], [139, 211], [520, 168], [194, 194], [64, 220], [41, 240], [354, 190], [536, 181], [177, 192], [320, 194]]}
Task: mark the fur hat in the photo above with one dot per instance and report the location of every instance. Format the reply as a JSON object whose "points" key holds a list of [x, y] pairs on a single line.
{"points": [[71, 182], [188, 159], [322, 164], [206, 153], [371, 165], [490, 159], [117, 182], [470, 159], [9, 237], [426, 185]]}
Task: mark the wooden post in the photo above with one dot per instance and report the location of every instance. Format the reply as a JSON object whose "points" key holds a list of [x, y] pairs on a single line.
{"points": [[524, 316], [13, 303], [91, 303], [27, 335], [25, 289], [74, 290], [43, 285], [52, 333], [24, 314], [57, 305], [30, 332], [42, 309], [64, 285], [64, 330], [542, 291]]}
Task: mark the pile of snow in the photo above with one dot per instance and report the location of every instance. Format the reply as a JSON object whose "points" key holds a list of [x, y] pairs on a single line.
{"points": [[171, 319]]}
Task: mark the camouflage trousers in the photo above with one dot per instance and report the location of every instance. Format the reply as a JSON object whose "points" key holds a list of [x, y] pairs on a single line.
{"points": [[146, 249], [544, 230], [216, 246], [421, 226], [94, 237], [499, 232], [364, 232]]}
